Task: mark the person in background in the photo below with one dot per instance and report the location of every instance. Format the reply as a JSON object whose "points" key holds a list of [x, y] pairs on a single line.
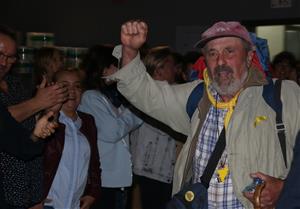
{"points": [[153, 150], [19, 142], [284, 66], [47, 61], [290, 195], [190, 59], [71, 160], [232, 101], [114, 122], [21, 181], [181, 70]]}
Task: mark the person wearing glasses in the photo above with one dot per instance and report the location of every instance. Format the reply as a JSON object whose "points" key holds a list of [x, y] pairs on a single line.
{"points": [[22, 181]]}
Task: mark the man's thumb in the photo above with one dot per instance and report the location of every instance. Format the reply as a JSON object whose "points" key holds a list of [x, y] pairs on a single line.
{"points": [[43, 83], [259, 175]]}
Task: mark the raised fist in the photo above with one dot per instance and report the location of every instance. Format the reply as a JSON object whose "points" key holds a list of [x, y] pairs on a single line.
{"points": [[134, 34]]}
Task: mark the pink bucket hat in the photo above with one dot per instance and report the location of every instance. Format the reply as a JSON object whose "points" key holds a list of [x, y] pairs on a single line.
{"points": [[224, 29]]}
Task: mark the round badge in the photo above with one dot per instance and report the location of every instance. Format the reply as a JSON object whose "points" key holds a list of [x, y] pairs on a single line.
{"points": [[189, 196]]}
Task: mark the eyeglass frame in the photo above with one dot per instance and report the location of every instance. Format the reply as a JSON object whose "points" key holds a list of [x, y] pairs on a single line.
{"points": [[8, 58]]}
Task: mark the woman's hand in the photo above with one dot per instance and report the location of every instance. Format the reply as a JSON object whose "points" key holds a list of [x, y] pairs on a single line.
{"points": [[44, 127]]}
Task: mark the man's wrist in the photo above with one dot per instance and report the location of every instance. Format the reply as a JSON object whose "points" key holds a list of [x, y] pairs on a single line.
{"points": [[129, 51], [128, 54]]}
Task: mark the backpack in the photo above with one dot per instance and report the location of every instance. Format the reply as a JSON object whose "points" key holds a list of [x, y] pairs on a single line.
{"points": [[271, 94]]}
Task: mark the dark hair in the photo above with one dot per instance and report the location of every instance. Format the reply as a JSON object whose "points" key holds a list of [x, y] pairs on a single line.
{"points": [[5, 30], [285, 56], [95, 61], [191, 56], [181, 68]]}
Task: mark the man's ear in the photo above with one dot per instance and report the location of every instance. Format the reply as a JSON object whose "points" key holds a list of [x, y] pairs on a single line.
{"points": [[250, 57], [157, 74]]}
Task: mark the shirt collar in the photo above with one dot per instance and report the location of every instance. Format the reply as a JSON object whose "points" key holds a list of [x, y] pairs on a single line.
{"points": [[63, 118]]}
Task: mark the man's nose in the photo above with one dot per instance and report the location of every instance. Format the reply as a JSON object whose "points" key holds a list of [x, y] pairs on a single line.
{"points": [[71, 89], [221, 59]]}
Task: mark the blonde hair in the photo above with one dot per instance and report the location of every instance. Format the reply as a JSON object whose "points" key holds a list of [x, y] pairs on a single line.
{"points": [[43, 57], [156, 57]]}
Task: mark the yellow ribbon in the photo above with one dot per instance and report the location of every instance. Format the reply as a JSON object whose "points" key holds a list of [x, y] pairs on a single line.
{"points": [[221, 105], [259, 119]]}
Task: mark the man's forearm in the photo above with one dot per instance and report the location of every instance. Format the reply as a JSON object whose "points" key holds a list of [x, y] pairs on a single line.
{"points": [[128, 54], [25, 109]]}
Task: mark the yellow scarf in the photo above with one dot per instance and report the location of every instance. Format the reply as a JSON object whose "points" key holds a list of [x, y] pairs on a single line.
{"points": [[222, 105]]}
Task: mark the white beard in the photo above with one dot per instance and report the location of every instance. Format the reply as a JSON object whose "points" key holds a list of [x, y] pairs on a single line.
{"points": [[232, 88]]}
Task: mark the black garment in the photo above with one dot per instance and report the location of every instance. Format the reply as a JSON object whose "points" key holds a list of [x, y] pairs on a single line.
{"points": [[15, 140], [154, 194], [112, 198], [21, 181], [114, 96], [290, 195]]}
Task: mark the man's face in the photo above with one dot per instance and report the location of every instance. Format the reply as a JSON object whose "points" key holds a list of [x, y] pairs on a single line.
{"points": [[283, 69], [7, 54], [227, 62]]}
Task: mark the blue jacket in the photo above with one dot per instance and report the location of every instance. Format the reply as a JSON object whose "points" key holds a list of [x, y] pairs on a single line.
{"points": [[113, 127]]}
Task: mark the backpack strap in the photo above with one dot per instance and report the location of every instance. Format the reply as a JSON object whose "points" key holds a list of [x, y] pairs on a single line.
{"points": [[194, 98], [271, 95]]}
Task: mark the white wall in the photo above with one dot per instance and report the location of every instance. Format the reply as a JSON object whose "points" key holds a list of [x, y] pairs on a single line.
{"points": [[275, 36]]}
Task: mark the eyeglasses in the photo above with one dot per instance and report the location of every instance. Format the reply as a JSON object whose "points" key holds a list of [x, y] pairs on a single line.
{"points": [[226, 53], [8, 58]]}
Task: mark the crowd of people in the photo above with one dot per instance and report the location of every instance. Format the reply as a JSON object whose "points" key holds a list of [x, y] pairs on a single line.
{"points": [[85, 138]]}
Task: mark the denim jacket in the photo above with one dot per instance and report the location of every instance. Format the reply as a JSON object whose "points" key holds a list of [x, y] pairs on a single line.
{"points": [[113, 127]]}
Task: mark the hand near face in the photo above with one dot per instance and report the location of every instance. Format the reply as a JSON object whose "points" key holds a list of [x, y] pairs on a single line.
{"points": [[134, 34], [271, 191], [48, 96]]}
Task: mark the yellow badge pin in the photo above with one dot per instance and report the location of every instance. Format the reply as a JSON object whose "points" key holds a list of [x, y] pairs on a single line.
{"points": [[189, 196]]}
